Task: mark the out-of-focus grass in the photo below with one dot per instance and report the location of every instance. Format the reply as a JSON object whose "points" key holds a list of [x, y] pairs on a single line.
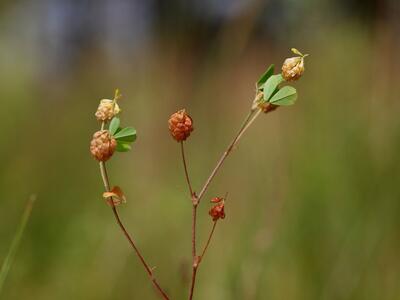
{"points": [[313, 196], [8, 261]]}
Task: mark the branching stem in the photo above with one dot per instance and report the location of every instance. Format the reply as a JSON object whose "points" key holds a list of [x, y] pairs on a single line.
{"points": [[250, 118]]}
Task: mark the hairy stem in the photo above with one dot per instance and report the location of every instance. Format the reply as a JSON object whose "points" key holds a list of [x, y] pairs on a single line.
{"points": [[149, 270]]}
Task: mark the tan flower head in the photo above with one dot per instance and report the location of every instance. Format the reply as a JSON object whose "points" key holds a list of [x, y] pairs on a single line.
{"points": [[293, 67], [108, 109]]}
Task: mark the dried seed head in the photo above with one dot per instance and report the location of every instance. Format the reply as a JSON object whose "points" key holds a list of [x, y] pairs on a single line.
{"points": [[102, 145], [107, 110], [293, 67], [217, 211], [180, 125]]}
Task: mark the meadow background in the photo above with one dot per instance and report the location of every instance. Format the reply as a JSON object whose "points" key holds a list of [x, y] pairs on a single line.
{"points": [[314, 195]]}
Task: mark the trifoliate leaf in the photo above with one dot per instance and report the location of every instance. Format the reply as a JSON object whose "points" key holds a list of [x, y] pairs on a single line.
{"points": [[271, 85], [127, 134], [264, 77], [123, 146], [114, 125], [285, 96]]}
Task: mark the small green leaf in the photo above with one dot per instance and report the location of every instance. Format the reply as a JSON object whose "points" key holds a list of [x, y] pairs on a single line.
{"points": [[127, 134], [114, 125], [271, 85], [123, 146], [264, 77], [285, 96], [130, 138], [295, 51]]}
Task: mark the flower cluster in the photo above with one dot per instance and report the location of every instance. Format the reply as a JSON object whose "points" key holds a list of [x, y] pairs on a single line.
{"points": [[270, 92], [106, 141]]}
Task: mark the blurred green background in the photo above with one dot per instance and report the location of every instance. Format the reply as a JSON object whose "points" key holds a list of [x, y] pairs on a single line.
{"points": [[313, 210]]}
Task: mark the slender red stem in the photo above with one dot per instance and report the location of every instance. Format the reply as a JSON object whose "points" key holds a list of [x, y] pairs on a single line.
{"points": [[149, 270], [208, 241], [197, 260], [193, 283], [250, 118], [186, 170], [194, 219], [247, 122], [194, 201]]}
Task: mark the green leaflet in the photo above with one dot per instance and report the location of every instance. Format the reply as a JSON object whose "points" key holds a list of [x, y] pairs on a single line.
{"points": [[123, 146], [114, 125], [285, 96], [127, 134], [271, 85], [264, 77]]}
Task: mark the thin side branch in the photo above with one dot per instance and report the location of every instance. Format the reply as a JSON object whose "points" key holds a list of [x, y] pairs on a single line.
{"points": [[246, 124], [186, 170], [250, 118], [208, 241], [149, 271]]}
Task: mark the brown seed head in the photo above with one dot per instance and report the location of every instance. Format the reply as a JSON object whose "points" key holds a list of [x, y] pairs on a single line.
{"points": [[217, 211], [107, 110], [102, 145], [293, 68], [180, 125]]}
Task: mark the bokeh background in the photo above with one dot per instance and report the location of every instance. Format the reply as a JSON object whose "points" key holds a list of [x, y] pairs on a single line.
{"points": [[314, 195]]}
